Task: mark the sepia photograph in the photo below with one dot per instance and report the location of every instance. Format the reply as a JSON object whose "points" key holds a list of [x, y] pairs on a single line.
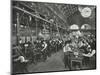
{"points": [[52, 37]]}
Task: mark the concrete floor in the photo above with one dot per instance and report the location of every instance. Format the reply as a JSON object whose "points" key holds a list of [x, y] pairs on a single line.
{"points": [[53, 63]]}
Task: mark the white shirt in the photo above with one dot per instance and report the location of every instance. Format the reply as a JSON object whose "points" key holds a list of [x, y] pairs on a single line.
{"points": [[45, 45], [66, 48]]}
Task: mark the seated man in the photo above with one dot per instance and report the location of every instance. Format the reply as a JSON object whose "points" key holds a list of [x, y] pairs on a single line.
{"points": [[21, 64], [90, 54], [44, 45], [89, 58]]}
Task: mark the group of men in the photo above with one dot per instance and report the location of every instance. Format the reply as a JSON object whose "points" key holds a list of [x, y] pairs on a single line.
{"points": [[40, 50], [37, 51], [85, 47]]}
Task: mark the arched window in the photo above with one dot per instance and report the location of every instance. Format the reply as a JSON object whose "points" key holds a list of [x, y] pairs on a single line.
{"points": [[86, 26], [74, 27]]}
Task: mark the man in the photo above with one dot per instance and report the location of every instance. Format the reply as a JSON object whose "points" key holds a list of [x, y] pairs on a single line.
{"points": [[66, 49], [44, 50]]}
